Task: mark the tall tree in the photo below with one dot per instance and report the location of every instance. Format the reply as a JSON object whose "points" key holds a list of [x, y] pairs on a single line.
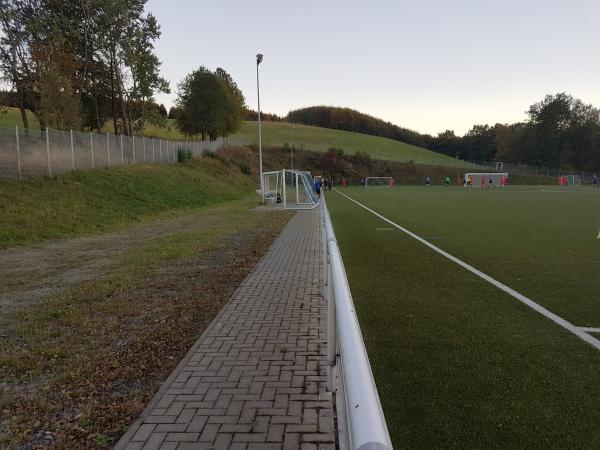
{"points": [[208, 105]]}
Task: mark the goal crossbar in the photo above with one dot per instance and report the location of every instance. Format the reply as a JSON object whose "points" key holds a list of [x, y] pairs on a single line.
{"points": [[379, 182]]}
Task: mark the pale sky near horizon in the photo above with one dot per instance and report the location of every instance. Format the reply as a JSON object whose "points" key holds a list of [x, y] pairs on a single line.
{"points": [[428, 65]]}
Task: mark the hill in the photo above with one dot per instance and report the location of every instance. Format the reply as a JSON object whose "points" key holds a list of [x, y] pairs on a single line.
{"points": [[351, 120], [321, 139], [278, 134], [101, 200]]}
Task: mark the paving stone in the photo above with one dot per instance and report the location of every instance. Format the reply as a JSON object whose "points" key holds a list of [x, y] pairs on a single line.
{"points": [[256, 378]]}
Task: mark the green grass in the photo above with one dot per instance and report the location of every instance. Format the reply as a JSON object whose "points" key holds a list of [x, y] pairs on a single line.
{"points": [[9, 117], [321, 139], [276, 134], [458, 363], [105, 199]]}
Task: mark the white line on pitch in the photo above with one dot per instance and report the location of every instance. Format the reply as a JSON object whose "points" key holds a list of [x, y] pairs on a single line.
{"points": [[589, 329], [577, 331]]}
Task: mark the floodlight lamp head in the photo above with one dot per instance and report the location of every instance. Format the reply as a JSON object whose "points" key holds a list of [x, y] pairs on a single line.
{"points": [[259, 58]]}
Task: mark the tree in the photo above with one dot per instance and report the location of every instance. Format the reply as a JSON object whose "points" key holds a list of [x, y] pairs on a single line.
{"points": [[162, 110], [208, 104], [173, 112]]}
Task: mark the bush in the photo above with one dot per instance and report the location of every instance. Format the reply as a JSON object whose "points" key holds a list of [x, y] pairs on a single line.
{"points": [[245, 168], [184, 154]]}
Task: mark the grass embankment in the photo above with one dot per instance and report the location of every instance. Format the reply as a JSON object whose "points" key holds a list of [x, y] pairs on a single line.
{"points": [[276, 134], [353, 168], [101, 200], [459, 363]]}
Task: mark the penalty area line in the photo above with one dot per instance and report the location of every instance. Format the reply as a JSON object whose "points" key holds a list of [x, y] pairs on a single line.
{"points": [[577, 331]]}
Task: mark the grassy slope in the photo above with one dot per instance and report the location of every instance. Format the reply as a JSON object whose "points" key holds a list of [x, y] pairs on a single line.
{"points": [[275, 134], [459, 364], [100, 200], [321, 139], [9, 117]]}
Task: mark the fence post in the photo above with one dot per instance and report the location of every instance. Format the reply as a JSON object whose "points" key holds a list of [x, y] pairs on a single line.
{"points": [[133, 146], [107, 149], [152, 149], [144, 147], [122, 156], [48, 152], [92, 147], [18, 153], [72, 152], [160, 150]]}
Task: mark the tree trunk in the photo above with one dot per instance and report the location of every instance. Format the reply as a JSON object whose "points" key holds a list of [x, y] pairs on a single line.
{"points": [[112, 90], [126, 127]]}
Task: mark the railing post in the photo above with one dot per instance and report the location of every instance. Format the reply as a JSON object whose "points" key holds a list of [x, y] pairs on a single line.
{"points": [[144, 147], [122, 155], [133, 146], [48, 152], [107, 149], [92, 147], [160, 150], [20, 170], [72, 152]]}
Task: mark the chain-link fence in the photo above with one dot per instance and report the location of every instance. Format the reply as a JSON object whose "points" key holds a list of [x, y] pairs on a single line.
{"points": [[26, 153]]}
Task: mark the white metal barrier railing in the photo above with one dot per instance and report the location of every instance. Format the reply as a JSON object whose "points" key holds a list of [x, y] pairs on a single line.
{"points": [[349, 369]]}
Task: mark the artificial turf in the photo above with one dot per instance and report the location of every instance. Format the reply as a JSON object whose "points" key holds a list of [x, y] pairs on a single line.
{"points": [[458, 363]]}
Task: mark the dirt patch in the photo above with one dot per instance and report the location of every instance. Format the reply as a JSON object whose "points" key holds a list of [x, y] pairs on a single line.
{"points": [[29, 275], [80, 366]]}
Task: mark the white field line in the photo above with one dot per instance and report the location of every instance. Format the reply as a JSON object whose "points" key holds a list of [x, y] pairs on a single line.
{"points": [[590, 329], [577, 331]]}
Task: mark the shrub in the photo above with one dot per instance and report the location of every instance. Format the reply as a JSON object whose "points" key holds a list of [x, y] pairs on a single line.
{"points": [[184, 154], [245, 168]]}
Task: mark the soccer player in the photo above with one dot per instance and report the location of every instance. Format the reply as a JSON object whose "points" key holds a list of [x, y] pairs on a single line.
{"points": [[363, 183], [470, 181], [491, 181], [447, 181], [595, 181], [318, 185], [427, 182]]}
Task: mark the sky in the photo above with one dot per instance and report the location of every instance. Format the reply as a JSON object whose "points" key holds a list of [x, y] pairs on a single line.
{"points": [[428, 65]]}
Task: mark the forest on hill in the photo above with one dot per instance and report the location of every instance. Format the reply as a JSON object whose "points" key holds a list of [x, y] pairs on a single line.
{"points": [[560, 131]]}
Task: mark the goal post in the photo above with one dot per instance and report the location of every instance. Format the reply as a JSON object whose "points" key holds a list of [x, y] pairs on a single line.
{"points": [[570, 180], [498, 179], [294, 189], [379, 182]]}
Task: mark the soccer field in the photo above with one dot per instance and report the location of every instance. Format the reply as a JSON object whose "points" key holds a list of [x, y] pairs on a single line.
{"points": [[460, 363]]}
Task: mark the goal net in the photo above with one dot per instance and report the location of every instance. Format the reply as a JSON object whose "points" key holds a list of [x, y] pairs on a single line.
{"points": [[570, 180], [379, 182], [294, 189], [487, 179]]}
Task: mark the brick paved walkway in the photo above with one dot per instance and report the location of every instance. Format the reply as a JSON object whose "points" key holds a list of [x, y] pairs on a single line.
{"points": [[256, 378]]}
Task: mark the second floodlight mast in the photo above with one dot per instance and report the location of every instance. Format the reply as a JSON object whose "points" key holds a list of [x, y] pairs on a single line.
{"points": [[259, 58]]}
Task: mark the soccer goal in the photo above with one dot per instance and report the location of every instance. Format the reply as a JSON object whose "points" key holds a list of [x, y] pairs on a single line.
{"points": [[498, 179], [572, 180], [379, 182], [294, 189]]}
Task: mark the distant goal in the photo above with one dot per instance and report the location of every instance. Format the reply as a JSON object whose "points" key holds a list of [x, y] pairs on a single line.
{"points": [[570, 180], [293, 189], [379, 182], [486, 179]]}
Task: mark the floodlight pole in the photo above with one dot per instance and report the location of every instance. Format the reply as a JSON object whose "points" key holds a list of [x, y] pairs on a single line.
{"points": [[292, 147], [259, 58]]}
